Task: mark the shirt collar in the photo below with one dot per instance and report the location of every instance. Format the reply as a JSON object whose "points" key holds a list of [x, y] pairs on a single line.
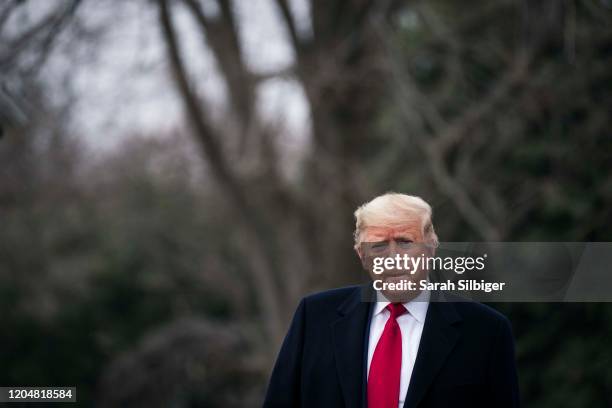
{"points": [[417, 307]]}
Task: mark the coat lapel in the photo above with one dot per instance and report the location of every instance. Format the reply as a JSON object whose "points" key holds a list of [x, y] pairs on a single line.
{"points": [[348, 336], [438, 340]]}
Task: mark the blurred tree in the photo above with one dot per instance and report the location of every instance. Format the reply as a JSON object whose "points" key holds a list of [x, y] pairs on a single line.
{"points": [[468, 85], [337, 66], [485, 98]]}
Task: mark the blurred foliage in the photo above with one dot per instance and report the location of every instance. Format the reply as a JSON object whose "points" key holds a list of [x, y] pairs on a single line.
{"points": [[546, 150], [86, 255]]}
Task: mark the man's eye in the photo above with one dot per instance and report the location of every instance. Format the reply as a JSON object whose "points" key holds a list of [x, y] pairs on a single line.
{"points": [[379, 245], [405, 243]]}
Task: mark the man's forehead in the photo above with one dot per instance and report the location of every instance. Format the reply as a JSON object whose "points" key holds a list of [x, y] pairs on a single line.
{"points": [[409, 230]]}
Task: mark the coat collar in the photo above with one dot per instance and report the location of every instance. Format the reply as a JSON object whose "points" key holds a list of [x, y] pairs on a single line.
{"points": [[440, 335], [349, 332]]}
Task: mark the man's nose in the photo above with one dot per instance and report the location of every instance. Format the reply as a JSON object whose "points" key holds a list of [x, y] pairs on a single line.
{"points": [[392, 248]]}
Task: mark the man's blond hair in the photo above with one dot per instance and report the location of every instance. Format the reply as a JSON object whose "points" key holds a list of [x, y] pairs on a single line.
{"points": [[394, 210]]}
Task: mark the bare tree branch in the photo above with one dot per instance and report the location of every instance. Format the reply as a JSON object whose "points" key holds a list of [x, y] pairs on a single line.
{"points": [[263, 266], [458, 128], [222, 38], [283, 73], [6, 12], [289, 21], [403, 87], [51, 25]]}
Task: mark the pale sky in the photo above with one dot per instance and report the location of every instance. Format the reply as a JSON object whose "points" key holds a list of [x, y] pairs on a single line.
{"points": [[127, 89]]}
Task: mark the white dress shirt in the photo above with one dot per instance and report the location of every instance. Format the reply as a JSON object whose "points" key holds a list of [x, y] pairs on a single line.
{"points": [[411, 325]]}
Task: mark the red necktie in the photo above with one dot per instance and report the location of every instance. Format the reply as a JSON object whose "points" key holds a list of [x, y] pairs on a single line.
{"points": [[386, 364]]}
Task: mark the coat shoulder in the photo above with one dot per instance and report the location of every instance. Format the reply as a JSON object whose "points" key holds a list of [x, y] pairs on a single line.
{"points": [[474, 311], [332, 295], [331, 299]]}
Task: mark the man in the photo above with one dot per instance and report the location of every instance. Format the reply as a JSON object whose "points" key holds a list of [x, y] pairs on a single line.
{"points": [[415, 351]]}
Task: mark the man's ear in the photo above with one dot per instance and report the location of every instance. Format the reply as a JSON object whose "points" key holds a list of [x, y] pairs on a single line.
{"points": [[361, 255]]}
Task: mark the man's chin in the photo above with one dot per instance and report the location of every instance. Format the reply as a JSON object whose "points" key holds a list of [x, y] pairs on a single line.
{"points": [[399, 278], [399, 295]]}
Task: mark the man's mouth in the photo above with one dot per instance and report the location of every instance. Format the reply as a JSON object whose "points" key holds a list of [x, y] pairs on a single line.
{"points": [[394, 275]]}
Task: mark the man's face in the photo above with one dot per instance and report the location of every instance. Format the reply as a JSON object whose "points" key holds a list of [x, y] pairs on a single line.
{"points": [[386, 242]]}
